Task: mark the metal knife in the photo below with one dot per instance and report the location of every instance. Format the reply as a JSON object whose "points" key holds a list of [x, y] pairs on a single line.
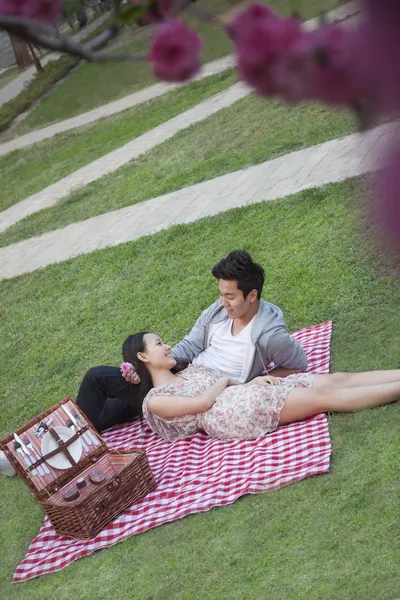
{"points": [[76, 424], [92, 438], [84, 436]]}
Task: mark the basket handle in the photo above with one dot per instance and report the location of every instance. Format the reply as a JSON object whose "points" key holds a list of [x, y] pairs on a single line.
{"points": [[120, 490]]}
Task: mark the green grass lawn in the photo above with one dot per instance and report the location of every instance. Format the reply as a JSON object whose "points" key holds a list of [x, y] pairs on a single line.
{"points": [[332, 536], [249, 132], [85, 88], [50, 160], [7, 76]]}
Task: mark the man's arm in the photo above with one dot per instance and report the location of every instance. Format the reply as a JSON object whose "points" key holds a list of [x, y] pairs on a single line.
{"points": [[281, 372], [193, 343], [287, 354]]}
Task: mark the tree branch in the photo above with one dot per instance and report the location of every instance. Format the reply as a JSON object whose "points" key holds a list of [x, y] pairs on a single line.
{"points": [[48, 37]]}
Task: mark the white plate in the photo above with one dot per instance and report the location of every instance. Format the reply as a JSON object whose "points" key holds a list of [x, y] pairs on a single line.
{"points": [[60, 461]]}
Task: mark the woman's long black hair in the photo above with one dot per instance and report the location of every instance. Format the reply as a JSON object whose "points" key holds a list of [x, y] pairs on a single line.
{"points": [[131, 346]]}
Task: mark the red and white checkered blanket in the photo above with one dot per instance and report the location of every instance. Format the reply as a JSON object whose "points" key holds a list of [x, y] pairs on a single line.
{"points": [[197, 474]]}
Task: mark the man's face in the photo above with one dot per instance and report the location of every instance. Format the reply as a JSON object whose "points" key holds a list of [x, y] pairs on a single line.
{"points": [[232, 299]]}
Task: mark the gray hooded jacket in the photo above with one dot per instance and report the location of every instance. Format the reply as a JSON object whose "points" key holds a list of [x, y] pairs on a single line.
{"points": [[269, 338]]}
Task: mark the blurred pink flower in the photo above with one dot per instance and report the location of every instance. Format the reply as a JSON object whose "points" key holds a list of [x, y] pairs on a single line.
{"points": [[175, 52], [160, 11], [380, 52], [388, 200], [265, 54], [334, 75], [47, 11], [247, 18], [125, 367]]}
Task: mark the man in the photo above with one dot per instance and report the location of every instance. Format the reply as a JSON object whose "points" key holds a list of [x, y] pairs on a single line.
{"points": [[240, 335]]}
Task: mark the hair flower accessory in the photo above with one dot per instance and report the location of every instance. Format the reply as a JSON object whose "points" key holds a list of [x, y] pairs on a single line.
{"points": [[125, 367]]}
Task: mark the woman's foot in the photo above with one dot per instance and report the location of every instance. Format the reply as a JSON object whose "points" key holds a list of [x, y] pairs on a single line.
{"points": [[5, 466]]}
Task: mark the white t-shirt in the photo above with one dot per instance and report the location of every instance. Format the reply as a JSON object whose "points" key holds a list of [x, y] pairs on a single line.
{"points": [[227, 352]]}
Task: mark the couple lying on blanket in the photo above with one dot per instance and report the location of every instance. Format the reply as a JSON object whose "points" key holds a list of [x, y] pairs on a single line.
{"points": [[213, 379]]}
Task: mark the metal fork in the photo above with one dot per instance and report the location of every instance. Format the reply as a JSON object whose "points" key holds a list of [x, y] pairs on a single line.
{"points": [[43, 468], [25, 458]]}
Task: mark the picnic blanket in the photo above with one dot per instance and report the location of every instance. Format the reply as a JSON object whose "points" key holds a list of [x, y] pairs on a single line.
{"points": [[199, 473]]}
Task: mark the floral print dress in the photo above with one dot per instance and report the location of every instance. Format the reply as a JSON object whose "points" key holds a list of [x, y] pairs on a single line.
{"points": [[240, 412]]}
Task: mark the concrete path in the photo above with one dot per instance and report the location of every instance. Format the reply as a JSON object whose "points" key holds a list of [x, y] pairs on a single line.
{"points": [[342, 13], [313, 167], [15, 87], [149, 93], [117, 158]]}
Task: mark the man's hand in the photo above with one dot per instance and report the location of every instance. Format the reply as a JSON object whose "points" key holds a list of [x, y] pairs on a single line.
{"points": [[132, 377], [234, 382], [266, 380]]}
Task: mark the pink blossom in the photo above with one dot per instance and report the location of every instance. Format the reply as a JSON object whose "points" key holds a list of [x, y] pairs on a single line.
{"points": [[175, 52], [125, 367], [160, 10], [47, 11], [388, 201], [255, 54], [380, 52], [265, 52], [255, 13], [291, 74], [333, 76]]}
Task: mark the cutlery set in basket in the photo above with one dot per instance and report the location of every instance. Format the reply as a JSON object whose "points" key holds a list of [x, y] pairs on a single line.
{"points": [[81, 485]]}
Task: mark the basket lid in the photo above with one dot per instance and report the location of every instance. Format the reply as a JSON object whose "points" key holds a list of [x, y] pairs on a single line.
{"points": [[53, 447]]}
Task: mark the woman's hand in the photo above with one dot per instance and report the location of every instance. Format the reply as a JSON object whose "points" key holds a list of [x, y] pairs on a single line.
{"points": [[132, 377], [266, 380]]}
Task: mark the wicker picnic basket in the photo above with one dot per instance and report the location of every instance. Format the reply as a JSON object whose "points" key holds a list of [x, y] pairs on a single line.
{"points": [[126, 475]]}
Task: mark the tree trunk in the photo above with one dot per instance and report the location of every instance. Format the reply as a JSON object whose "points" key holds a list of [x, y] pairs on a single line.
{"points": [[81, 13], [36, 60], [21, 51]]}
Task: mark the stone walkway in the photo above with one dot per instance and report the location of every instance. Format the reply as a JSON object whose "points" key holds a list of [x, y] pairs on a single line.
{"points": [[149, 93], [341, 13], [313, 167], [117, 158]]}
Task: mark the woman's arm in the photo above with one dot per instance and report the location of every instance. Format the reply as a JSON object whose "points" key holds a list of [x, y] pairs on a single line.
{"points": [[179, 406]]}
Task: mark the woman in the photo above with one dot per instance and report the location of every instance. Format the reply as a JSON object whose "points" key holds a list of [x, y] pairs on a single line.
{"points": [[200, 399]]}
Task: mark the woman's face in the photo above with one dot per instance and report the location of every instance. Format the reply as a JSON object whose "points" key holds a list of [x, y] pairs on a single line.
{"points": [[156, 353]]}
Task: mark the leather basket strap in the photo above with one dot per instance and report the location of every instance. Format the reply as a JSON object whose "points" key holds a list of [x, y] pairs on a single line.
{"points": [[61, 448]]}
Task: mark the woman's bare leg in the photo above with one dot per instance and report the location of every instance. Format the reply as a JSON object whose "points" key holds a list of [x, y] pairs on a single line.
{"points": [[305, 402], [356, 379]]}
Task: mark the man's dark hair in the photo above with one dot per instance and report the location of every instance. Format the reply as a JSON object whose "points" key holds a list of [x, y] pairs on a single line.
{"points": [[238, 266]]}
